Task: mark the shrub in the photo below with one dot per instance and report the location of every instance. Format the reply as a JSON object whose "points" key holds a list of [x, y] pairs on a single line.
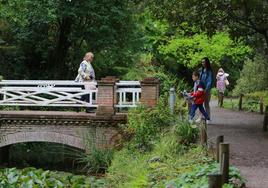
{"points": [[128, 169], [97, 161], [186, 132], [145, 124], [253, 77]]}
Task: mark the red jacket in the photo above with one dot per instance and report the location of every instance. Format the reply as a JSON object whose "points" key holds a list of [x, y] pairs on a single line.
{"points": [[199, 94]]}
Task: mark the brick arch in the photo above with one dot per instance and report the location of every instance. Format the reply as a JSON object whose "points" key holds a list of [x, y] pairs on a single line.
{"points": [[21, 137]]}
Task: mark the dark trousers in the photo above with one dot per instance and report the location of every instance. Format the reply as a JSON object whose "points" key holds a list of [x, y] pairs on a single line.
{"points": [[86, 99], [201, 108]]}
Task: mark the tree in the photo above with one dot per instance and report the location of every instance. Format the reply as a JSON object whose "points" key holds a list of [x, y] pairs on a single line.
{"points": [[242, 17], [52, 35], [190, 50]]}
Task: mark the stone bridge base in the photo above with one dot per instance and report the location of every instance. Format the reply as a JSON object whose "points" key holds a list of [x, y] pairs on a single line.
{"points": [[78, 130]]}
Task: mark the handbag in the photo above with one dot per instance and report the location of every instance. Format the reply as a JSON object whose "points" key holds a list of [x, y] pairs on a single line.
{"points": [[90, 85], [227, 83]]}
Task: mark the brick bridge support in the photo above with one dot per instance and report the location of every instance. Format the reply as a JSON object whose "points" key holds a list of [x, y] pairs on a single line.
{"points": [[73, 129]]}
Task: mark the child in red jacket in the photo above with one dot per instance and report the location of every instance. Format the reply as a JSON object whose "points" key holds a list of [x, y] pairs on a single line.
{"points": [[199, 97]]}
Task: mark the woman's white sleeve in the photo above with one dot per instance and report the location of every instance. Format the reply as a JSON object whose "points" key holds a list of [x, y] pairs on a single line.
{"points": [[81, 70]]}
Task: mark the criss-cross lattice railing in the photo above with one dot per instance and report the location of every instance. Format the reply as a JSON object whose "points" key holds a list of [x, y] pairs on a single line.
{"points": [[63, 93], [45, 93]]}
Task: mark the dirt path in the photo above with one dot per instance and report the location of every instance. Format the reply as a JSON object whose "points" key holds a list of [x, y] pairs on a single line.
{"points": [[249, 144]]}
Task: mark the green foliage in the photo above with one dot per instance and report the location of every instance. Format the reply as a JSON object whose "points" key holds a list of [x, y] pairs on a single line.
{"points": [[186, 133], [253, 77], [165, 166], [145, 124], [239, 17], [51, 39], [190, 50], [145, 68], [128, 169], [96, 161], [31, 177], [251, 101]]}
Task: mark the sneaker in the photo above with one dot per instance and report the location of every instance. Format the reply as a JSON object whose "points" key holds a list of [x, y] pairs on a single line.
{"points": [[208, 122], [198, 120], [191, 121]]}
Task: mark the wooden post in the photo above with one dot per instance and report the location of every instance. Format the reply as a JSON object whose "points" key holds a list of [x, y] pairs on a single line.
{"points": [[203, 132], [214, 181], [261, 105], [265, 121], [219, 140], [240, 102], [224, 159]]}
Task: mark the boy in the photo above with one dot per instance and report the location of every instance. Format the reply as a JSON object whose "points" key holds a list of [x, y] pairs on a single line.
{"points": [[199, 97]]}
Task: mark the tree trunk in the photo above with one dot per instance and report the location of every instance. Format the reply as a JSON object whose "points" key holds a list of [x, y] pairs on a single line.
{"points": [[58, 57]]}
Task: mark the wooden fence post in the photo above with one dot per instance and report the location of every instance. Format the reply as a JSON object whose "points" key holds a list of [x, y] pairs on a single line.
{"points": [[219, 140], [240, 102], [214, 181], [261, 105], [203, 132], [224, 162], [265, 121]]}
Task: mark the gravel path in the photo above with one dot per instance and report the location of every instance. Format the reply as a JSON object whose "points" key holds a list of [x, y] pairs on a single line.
{"points": [[248, 143]]}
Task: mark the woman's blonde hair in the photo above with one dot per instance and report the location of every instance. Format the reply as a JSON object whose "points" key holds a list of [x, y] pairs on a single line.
{"points": [[88, 54]]}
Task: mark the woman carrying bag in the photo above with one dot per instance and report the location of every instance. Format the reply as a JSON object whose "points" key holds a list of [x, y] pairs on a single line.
{"points": [[222, 82]]}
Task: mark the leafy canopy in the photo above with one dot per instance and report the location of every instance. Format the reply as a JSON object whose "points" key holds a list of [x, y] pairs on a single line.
{"points": [[190, 50]]}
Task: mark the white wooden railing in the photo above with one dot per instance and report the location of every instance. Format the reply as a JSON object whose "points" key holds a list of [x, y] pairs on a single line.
{"points": [[128, 93], [62, 93]]}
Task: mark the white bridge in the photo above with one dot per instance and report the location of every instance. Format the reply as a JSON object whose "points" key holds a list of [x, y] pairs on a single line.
{"points": [[64, 93]]}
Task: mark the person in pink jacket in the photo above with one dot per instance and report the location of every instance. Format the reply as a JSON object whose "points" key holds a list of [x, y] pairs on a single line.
{"points": [[222, 82]]}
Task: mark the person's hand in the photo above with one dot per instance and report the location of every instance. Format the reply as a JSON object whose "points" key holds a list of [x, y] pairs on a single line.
{"points": [[87, 77]]}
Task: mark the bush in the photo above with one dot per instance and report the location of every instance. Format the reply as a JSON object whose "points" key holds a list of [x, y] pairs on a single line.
{"points": [[145, 124], [128, 169], [186, 133], [97, 161], [253, 77]]}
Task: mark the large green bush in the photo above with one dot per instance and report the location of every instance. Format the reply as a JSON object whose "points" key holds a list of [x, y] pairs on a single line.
{"points": [[189, 50], [97, 161], [145, 124], [169, 164], [253, 77]]}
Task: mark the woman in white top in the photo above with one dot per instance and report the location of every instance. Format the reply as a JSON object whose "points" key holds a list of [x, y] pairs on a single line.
{"points": [[86, 74], [86, 71]]}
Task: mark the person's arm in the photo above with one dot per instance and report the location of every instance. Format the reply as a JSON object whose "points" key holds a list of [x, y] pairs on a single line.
{"points": [[92, 73], [217, 77], [81, 70], [198, 93], [209, 80]]}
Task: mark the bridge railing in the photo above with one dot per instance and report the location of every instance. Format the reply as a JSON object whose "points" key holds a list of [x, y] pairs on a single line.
{"points": [[128, 93], [63, 93]]}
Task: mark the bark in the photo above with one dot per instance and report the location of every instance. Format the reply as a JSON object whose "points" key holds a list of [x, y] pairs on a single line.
{"points": [[58, 58]]}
